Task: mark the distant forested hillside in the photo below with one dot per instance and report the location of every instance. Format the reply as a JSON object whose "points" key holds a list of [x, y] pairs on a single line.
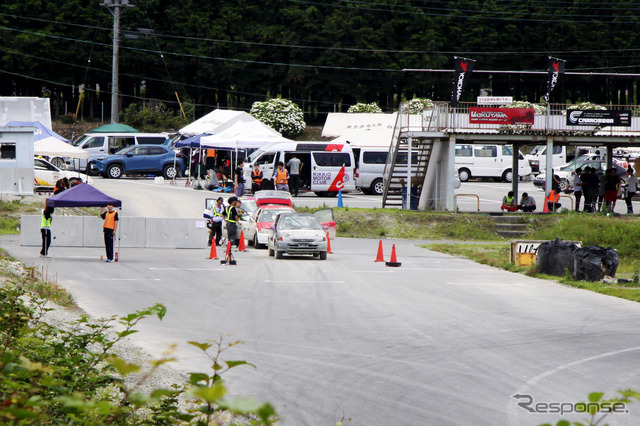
{"points": [[324, 55]]}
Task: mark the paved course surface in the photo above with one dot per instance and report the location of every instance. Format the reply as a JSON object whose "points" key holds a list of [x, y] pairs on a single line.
{"points": [[438, 341]]}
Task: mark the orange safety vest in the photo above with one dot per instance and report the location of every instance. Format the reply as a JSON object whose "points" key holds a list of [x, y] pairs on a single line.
{"points": [[257, 178], [281, 176], [110, 220], [553, 196]]}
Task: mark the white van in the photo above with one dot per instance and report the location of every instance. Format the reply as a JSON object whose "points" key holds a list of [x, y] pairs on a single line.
{"points": [[100, 144], [488, 160], [326, 167], [562, 155], [370, 163]]}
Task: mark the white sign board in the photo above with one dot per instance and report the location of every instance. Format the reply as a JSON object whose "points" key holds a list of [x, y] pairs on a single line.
{"points": [[494, 100]]}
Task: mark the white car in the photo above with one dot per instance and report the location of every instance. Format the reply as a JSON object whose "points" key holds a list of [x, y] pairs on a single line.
{"points": [[46, 175], [296, 234]]}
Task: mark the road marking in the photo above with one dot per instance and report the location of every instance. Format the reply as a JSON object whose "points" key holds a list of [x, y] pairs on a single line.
{"points": [[308, 281], [127, 279], [484, 284], [186, 269]]}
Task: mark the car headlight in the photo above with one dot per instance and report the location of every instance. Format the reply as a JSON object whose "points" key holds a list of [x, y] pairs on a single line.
{"points": [[320, 238], [284, 237]]}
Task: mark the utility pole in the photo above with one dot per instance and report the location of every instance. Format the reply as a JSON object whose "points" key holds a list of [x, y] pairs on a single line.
{"points": [[115, 7]]}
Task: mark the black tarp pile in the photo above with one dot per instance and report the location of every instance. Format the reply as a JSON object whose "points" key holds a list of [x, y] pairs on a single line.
{"points": [[591, 263]]}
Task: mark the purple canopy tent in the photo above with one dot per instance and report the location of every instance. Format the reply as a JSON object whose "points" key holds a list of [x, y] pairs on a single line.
{"points": [[84, 195]]}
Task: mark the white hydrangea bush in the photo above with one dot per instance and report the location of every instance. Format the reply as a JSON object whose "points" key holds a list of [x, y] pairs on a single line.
{"points": [[281, 115], [360, 108], [417, 106], [587, 106], [539, 109]]}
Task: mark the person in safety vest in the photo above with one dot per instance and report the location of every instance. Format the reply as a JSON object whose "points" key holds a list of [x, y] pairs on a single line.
{"points": [[281, 178], [232, 220], [61, 185], [509, 202], [110, 227], [256, 178], [45, 229], [216, 217]]}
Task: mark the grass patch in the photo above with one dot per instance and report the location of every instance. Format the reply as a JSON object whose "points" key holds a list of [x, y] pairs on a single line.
{"points": [[497, 255]]}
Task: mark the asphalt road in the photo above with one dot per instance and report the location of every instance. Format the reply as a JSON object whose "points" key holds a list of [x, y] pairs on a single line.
{"points": [[438, 341]]}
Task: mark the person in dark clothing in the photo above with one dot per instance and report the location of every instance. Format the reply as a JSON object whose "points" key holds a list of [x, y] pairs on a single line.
{"points": [[612, 184], [45, 229], [256, 178], [239, 179], [110, 227], [589, 188], [232, 220], [61, 185]]}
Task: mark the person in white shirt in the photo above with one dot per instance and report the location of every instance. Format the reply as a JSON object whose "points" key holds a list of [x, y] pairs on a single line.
{"points": [[577, 187], [632, 188]]}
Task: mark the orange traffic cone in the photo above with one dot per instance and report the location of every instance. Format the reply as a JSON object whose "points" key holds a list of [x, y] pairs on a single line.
{"points": [[241, 246], [380, 257], [394, 262], [228, 258], [329, 244], [214, 254], [545, 208]]}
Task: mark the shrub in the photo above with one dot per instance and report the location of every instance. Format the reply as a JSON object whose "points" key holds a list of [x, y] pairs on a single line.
{"points": [[282, 115], [361, 108], [417, 105]]}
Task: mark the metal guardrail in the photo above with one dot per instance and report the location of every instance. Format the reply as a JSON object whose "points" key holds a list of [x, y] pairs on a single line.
{"points": [[569, 197], [550, 118], [455, 200]]}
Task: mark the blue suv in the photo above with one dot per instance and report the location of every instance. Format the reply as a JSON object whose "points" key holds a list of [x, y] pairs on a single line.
{"points": [[139, 159]]}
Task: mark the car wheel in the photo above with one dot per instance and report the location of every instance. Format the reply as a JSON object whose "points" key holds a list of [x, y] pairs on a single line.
{"points": [[323, 255], [256, 244], [507, 176], [278, 254], [115, 171], [464, 175], [58, 162], [377, 187], [563, 184], [270, 251], [326, 194], [170, 172]]}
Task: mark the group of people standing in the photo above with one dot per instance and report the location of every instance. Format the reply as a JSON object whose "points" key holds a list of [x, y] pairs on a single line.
{"points": [[280, 179], [602, 190], [219, 214]]}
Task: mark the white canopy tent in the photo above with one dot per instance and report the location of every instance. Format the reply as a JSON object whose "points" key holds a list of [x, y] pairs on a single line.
{"points": [[53, 147], [242, 132], [372, 138], [338, 123], [210, 122]]}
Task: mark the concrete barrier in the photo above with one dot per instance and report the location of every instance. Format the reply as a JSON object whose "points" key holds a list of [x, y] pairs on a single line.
{"points": [[134, 232]]}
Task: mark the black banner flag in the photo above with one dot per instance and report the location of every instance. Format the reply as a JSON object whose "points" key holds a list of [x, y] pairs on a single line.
{"points": [[463, 68], [556, 70]]}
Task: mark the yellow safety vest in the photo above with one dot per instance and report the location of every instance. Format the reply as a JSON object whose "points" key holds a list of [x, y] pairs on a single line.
{"points": [[229, 214], [281, 176], [110, 220], [44, 222]]}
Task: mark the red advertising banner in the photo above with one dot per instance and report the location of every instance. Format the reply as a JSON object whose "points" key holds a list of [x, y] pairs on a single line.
{"points": [[501, 115]]}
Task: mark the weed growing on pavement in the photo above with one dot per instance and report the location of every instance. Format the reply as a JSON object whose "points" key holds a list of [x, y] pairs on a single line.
{"points": [[596, 408], [72, 374]]}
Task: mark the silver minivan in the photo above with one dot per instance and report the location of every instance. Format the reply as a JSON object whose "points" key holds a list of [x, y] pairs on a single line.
{"points": [[370, 164], [101, 144]]}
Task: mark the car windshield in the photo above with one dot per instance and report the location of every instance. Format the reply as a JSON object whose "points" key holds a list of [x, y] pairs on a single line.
{"points": [[254, 155], [125, 150], [270, 215], [300, 222]]}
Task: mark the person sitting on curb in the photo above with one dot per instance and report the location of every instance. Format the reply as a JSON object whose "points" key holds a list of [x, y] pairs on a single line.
{"points": [[509, 202], [527, 204]]}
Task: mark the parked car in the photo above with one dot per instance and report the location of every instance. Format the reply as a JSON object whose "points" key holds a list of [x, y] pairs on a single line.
{"points": [[46, 175], [297, 234], [567, 173], [139, 159]]}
